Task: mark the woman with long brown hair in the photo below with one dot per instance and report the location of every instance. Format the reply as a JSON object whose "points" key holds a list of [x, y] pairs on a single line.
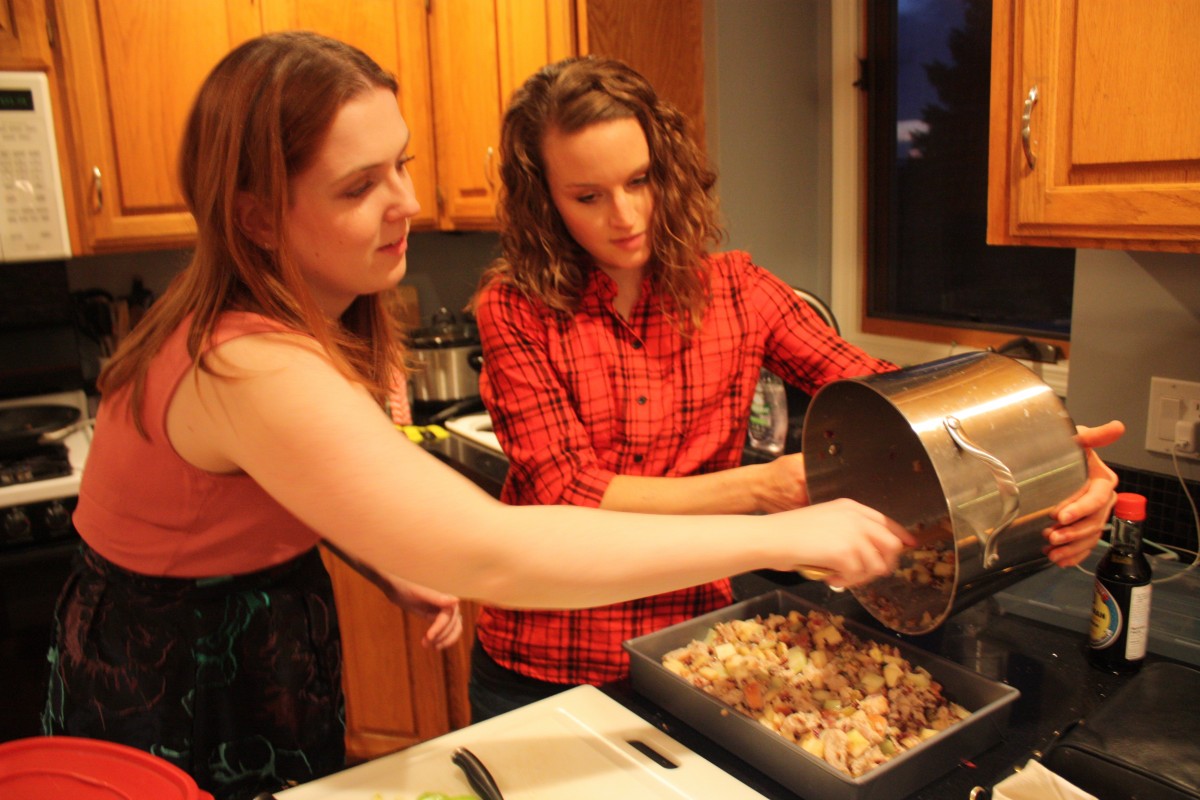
{"points": [[621, 355], [243, 422]]}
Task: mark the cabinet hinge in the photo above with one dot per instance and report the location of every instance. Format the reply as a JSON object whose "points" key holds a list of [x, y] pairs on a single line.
{"points": [[864, 75]]}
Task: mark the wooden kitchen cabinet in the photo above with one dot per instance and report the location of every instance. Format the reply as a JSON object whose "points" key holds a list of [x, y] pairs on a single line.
{"points": [[664, 41], [133, 70], [1112, 154], [398, 693], [480, 53], [24, 36], [393, 32]]}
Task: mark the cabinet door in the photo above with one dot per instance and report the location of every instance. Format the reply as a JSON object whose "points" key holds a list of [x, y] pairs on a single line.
{"points": [[466, 107], [132, 71], [662, 41], [24, 38], [1095, 137], [480, 52], [398, 693], [393, 32]]}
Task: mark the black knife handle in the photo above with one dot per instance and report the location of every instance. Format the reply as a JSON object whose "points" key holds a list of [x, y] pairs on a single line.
{"points": [[477, 774]]}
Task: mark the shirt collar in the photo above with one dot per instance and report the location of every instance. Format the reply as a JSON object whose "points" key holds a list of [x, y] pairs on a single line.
{"points": [[600, 291]]}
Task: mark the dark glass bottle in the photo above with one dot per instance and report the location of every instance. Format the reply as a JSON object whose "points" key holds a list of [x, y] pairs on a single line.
{"points": [[1121, 601]]}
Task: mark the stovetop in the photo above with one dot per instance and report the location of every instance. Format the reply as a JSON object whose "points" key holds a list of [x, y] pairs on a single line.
{"points": [[43, 462], [53, 486]]}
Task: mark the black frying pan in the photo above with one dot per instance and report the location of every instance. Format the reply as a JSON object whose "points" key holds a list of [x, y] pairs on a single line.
{"points": [[22, 427]]}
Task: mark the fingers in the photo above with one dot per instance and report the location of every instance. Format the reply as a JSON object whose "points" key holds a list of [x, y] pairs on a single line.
{"points": [[445, 630], [1072, 552], [1095, 499], [863, 543], [1101, 435]]}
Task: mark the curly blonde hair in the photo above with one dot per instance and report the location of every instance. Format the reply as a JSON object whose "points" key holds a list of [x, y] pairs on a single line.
{"points": [[540, 257]]}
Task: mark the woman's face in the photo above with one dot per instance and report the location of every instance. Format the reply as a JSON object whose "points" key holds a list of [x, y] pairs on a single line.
{"points": [[599, 182], [347, 225]]}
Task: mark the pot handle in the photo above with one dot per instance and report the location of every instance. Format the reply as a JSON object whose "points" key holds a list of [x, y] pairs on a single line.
{"points": [[1006, 484]]}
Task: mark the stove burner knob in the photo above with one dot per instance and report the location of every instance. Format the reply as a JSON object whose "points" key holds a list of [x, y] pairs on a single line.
{"points": [[56, 518], [17, 525]]}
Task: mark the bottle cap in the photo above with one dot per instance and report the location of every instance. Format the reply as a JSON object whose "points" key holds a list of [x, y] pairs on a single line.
{"points": [[1130, 506]]}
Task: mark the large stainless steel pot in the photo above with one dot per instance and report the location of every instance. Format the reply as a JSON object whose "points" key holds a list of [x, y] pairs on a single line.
{"points": [[446, 360], [971, 453]]}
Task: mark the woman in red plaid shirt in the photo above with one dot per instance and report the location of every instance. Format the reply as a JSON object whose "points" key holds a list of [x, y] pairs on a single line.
{"points": [[621, 358]]}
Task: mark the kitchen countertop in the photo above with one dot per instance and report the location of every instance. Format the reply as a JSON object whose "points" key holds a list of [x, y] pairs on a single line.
{"points": [[1045, 662]]}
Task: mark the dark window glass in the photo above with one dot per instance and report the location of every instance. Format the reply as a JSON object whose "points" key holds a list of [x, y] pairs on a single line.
{"points": [[928, 84]]}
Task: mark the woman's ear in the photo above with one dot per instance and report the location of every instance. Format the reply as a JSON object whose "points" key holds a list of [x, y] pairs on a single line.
{"points": [[254, 221]]}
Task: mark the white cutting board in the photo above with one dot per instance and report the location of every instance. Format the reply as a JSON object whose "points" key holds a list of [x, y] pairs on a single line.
{"points": [[573, 746]]}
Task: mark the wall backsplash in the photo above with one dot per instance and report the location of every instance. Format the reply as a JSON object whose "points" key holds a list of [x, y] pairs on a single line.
{"points": [[444, 267], [1170, 518]]}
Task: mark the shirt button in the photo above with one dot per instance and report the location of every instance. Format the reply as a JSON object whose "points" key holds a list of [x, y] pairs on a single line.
{"points": [[642, 400], [637, 459], [637, 345]]}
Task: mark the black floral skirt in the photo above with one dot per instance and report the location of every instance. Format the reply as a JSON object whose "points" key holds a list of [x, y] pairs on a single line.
{"points": [[236, 680]]}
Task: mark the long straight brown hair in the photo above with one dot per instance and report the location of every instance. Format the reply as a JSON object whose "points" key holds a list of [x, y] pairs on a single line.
{"points": [[259, 119]]}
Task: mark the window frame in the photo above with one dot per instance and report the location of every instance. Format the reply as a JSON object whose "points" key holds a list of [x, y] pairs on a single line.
{"points": [[900, 342], [951, 337]]}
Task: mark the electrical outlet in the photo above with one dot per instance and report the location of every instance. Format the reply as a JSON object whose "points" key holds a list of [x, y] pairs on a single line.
{"points": [[1174, 416]]}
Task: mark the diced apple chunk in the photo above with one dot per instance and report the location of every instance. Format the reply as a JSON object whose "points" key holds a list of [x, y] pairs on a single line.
{"points": [[829, 635], [918, 679], [872, 682], [797, 658], [812, 744], [892, 673], [856, 743]]}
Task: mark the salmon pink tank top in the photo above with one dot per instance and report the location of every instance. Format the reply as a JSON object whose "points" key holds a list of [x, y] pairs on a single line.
{"points": [[144, 508]]}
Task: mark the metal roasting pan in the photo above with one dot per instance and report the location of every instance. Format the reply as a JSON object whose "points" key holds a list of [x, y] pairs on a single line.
{"points": [[989, 701]]}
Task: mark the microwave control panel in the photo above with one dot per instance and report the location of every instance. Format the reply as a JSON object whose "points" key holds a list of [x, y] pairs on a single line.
{"points": [[33, 219]]}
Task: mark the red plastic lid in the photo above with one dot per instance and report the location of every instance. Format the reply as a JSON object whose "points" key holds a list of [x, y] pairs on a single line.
{"points": [[1130, 506], [89, 769]]}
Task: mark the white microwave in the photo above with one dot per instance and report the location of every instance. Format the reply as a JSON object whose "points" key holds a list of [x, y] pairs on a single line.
{"points": [[33, 216]]}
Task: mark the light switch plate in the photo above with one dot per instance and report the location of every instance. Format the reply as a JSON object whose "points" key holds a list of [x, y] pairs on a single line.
{"points": [[1172, 402]]}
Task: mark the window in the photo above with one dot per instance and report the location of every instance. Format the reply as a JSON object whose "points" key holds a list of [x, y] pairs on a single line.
{"points": [[930, 273]]}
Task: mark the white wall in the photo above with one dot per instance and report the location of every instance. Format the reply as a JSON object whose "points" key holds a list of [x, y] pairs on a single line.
{"points": [[768, 123], [1136, 316]]}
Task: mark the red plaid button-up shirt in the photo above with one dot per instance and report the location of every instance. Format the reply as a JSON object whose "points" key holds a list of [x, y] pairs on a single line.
{"points": [[576, 401]]}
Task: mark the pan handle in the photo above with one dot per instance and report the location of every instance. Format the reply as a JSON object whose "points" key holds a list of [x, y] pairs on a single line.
{"points": [[1006, 484]]}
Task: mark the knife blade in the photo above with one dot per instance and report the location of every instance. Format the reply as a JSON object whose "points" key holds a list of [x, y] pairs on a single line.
{"points": [[477, 774]]}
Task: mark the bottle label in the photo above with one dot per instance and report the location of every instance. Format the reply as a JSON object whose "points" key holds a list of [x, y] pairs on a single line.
{"points": [[1139, 622], [1106, 618]]}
